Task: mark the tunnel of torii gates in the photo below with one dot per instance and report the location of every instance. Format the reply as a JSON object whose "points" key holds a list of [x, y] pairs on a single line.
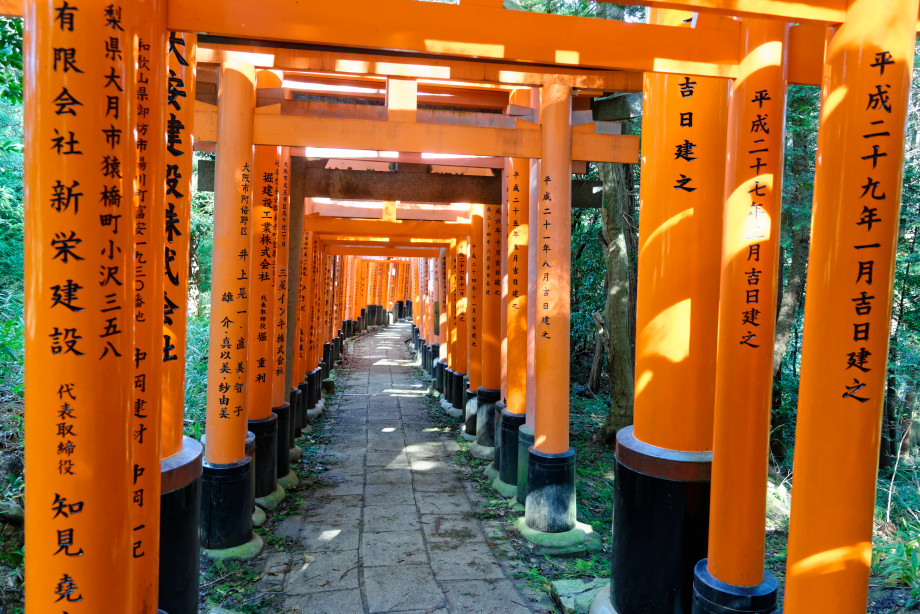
{"points": [[350, 139]]}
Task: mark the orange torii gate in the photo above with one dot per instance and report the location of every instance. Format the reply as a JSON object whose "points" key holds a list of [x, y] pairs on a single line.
{"points": [[89, 482]]}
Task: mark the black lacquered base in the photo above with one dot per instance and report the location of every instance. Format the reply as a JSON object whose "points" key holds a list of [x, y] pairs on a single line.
{"points": [[433, 359], [459, 387], [226, 505], [440, 369], [296, 400], [180, 514], [302, 419], [470, 418], [550, 503], [266, 466], [449, 387], [660, 526], [284, 441], [316, 387], [711, 596], [310, 391], [507, 446], [485, 416], [525, 441]]}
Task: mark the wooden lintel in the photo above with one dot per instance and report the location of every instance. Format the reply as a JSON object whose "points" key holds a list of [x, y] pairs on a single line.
{"points": [[360, 134], [468, 31], [392, 252], [380, 228]]}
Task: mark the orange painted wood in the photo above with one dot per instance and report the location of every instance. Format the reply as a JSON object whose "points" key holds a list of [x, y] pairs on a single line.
{"points": [[845, 349]]}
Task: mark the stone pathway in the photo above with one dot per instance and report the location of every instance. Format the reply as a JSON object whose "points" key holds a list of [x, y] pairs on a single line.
{"points": [[397, 533]]}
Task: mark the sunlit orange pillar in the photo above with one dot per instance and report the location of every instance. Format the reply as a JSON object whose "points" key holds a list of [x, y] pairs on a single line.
{"points": [[226, 465], [550, 501], [181, 456], [441, 315], [460, 323], [263, 422], [450, 372], [79, 308], [489, 391], [512, 479], [848, 306], [311, 373], [474, 326], [668, 451], [149, 230], [734, 573], [281, 407]]}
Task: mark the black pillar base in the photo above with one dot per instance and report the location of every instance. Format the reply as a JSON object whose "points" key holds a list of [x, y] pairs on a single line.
{"points": [[434, 352], [226, 505], [266, 466], [469, 418], [440, 369], [296, 399], [449, 377], [302, 419], [660, 526], [485, 416], [497, 437], [459, 387], [180, 516], [363, 319], [317, 387], [507, 446], [336, 350], [309, 398], [284, 441], [525, 441], [409, 312], [711, 596], [550, 504]]}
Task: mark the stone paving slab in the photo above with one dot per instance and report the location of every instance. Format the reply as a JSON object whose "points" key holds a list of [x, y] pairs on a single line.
{"points": [[392, 530]]}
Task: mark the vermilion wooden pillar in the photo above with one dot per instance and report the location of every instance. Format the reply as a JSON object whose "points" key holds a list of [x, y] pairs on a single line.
{"points": [[848, 306], [263, 422], [474, 325], [667, 455], [512, 477], [734, 573], [550, 501], [180, 466], [79, 307], [226, 464]]}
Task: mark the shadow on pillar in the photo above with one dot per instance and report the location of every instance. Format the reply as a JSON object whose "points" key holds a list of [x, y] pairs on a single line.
{"points": [[180, 515]]}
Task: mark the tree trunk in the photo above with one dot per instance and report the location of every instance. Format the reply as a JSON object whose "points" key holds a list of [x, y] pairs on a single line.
{"points": [[618, 317], [597, 363], [889, 439], [792, 294], [194, 276]]}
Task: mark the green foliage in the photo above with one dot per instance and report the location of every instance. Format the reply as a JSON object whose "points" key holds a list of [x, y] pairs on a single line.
{"points": [[11, 59], [196, 375], [898, 563]]}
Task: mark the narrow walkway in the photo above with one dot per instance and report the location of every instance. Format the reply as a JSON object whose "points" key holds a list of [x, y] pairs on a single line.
{"points": [[397, 533]]}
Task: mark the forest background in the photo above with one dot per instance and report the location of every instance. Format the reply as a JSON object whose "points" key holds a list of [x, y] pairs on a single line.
{"points": [[603, 313]]}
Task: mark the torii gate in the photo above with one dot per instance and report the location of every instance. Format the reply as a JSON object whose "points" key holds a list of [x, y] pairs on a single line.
{"points": [[93, 543]]}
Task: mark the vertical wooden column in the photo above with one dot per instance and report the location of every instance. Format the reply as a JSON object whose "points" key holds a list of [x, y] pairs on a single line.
{"points": [[178, 168], [149, 229], [512, 472], [262, 271], [503, 281], [180, 467], [227, 359], [79, 298], [262, 421], [550, 501], [668, 451], [349, 287], [460, 326], [279, 315], [453, 340], [747, 315], [441, 289], [474, 301], [552, 236], [848, 306], [516, 254], [491, 298]]}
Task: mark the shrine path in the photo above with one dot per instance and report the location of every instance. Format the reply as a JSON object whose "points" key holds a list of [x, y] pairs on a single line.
{"points": [[397, 531]]}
